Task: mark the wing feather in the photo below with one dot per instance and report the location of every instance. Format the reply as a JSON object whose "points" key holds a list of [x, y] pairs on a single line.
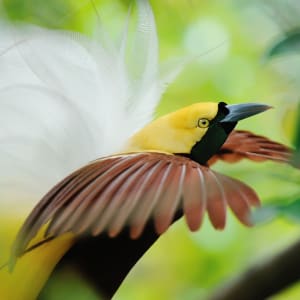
{"points": [[194, 197], [130, 190], [237, 199], [134, 197], [216, 200], [149, 201], [111, 193], [244, 144], [73, 195], [170, 199], [88, 198], [94, 194]]}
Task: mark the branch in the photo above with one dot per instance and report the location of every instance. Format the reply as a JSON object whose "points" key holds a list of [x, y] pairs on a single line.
{"points": [[264, 279]]}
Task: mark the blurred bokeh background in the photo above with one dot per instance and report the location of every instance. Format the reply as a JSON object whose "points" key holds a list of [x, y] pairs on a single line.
{"points": [[243, 51]]}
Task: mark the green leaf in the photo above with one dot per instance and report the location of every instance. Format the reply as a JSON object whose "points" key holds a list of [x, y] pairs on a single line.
{"points": [[289, 44]]}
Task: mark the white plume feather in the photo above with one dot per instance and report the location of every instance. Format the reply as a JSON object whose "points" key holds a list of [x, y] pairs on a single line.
{"points": [[66, 100]]}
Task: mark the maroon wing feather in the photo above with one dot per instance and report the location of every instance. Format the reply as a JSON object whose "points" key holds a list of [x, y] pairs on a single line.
{"points": [[244, 144], [129, 190]]}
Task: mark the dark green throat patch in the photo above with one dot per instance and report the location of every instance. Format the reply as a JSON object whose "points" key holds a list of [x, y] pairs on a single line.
{"points": [[214, 138]]}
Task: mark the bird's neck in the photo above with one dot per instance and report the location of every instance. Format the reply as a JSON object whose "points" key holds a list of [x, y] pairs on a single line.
{"points": [[211, 142]]}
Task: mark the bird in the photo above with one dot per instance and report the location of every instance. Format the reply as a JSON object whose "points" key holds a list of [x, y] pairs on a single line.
{"points": [[114, 208], [106, 180]]}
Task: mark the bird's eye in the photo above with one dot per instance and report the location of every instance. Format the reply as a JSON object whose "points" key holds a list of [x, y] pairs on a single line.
{"points": [[203, 123]]}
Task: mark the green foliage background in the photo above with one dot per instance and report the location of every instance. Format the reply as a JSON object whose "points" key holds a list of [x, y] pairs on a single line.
{"points": [[238, 48]]}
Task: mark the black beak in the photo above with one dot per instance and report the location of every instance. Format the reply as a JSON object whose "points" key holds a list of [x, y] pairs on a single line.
{"points": [[238, 112]]}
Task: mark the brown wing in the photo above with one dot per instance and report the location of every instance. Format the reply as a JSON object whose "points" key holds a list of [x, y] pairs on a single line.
{"points": [[244, 144], [129, 190]]}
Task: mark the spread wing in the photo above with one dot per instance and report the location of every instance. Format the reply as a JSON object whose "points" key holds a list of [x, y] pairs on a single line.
{"points": [[128, 190], [244, 144]]}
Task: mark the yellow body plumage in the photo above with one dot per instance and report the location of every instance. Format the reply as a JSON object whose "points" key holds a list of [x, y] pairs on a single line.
{"points": [[32, 270]]}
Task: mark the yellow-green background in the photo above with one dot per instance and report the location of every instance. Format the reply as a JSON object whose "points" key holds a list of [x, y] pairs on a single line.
{"points": [[228, 39]]}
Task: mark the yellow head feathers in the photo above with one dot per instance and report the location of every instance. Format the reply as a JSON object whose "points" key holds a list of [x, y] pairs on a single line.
{"points": [[176, 132]]}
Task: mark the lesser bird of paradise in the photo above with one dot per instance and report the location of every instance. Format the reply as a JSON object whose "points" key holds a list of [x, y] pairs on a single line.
{"points": [[75, 100]]}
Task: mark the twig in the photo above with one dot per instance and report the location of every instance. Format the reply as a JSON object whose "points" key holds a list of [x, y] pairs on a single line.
{"points": [[264, 279]]}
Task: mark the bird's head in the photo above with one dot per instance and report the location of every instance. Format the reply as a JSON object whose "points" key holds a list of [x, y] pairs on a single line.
{"points": [[198, 130]]}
